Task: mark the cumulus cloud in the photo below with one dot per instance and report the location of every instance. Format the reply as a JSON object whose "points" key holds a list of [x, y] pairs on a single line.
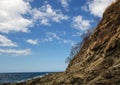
{"points": [[65, 3], [5, 42], [97, 7], [77, 34], [11, 16], [50, 36], [14, 15], [71, 42], [47, 14], [80, 23], [15, 52], [31, 41], [19, 16]]}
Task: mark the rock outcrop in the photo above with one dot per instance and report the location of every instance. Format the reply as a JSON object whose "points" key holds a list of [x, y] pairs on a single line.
{"points": [[98, 62]]}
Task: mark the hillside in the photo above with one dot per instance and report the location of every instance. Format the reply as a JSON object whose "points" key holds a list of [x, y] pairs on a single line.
{"points": [[98, 62]]}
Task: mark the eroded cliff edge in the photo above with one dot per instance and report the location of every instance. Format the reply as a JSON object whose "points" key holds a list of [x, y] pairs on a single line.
{"points": [[98, 62]]}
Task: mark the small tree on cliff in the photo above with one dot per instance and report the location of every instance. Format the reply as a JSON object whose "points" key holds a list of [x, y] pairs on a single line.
{"points": [[76, 48]]}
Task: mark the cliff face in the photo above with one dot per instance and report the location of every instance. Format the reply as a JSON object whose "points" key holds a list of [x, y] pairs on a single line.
{"points": [[98, 62]]}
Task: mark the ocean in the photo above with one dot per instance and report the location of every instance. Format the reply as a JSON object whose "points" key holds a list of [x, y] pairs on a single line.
{"points": [[16, 77]]}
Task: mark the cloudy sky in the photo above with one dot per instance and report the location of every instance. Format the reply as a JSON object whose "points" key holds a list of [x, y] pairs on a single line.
{"points": [[37, 35]]}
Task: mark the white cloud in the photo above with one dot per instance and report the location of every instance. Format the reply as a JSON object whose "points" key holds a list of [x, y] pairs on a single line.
{"points": [[65, 3], [48, 39], [80, 23], [47, 14], [15, 52], [4, 41], [53, 35], [30, 41], [77, 34], [50, 36], [97, 7], [11, 16], [18, 16], [29, 0], [68, 41]]}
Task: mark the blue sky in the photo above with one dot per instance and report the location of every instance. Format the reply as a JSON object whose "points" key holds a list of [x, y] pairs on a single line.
{"points": [[37, 35]]}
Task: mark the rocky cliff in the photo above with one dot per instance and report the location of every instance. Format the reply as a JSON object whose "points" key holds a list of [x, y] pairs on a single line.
{"points": [[98, 62]]}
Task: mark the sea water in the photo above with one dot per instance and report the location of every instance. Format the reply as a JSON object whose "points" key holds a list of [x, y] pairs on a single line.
{"points": [[17, 77]]}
